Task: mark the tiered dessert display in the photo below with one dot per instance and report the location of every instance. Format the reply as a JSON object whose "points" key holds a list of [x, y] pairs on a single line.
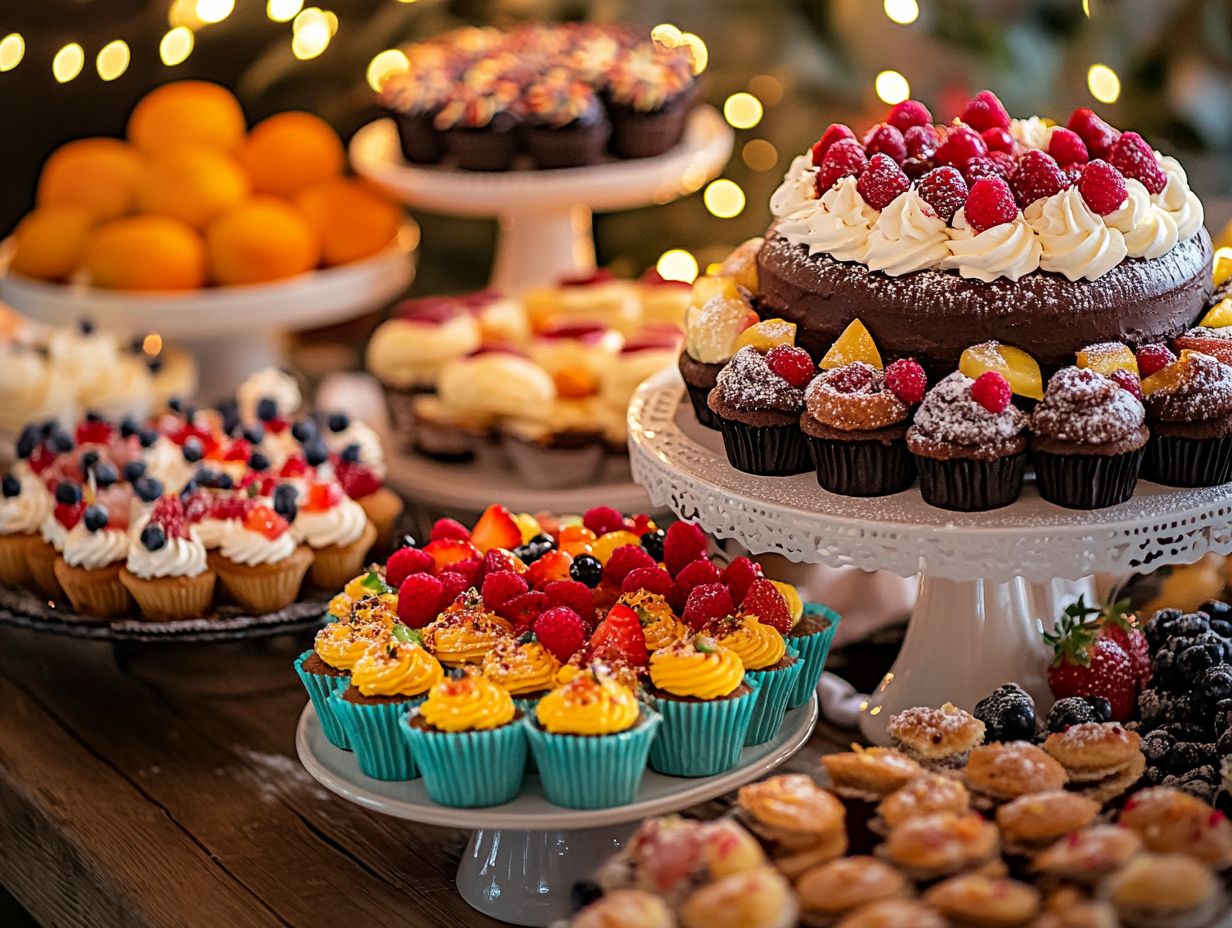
{"points": [[179, 523], [606, 117], [519, 677], [1021, 281], [202, 230]]}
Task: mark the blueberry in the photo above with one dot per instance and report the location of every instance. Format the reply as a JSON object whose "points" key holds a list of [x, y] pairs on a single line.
{"points": [[61, 442], [304, 430], [254, 433], [105, 474], [316, 453], [128, 427], [546, 542], [133, 470], [28, 441], [148, 489], [224, 481], [350, 453], [88, 459], [85, 325], [1008, 714], [190, 413], [407, 541], [286, 491], [1156, 746], [193, 450], [338, 422], [68, 493], [586, 568], [208, 477], [153, 537], [93, 415], [1101, 706], [229, 411], [95, 518], [11, 486], [147, 437], [267, 409], [155, 365], [176, 404], [258, 462], [1072, 710], [652, 542], [285, 507]]}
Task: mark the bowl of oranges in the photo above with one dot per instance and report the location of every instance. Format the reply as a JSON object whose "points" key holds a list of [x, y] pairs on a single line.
{"points": [[196, 225]]}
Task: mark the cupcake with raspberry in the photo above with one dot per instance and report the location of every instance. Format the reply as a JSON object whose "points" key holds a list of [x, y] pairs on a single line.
{"points": [[855, 419], [969, 443], [660, 626], [215, 506], [24, 504], [565, 123], [768, 662], [166, 570], [337, 530], [590, 738], [757, 400], [712, 332], [523, 667], [1087, 438], [388, 679], [650, 91], [468, 742], [325, 669], [95, 550], [1189, 411], [480, 120], [707, 706], [259, 563], [66, 511]]}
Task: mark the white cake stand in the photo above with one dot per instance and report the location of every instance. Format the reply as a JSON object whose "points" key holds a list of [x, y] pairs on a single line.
{"points": [[524, 857], [990, 582], [232, 331], [545, 215]]}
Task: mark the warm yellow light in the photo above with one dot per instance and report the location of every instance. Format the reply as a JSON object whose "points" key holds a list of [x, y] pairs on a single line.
{"points": [[1086, 8], [312, 35], [891, 87], [214, 11], [742, 110], [1103, 83], [699, 55], [384, 64], [176, 46], [902, 11], [667, 34], [12, 50], [724, 198], [152, 344], [692, 178], [308, 15], [760, 155], [112, 60], [677, 264], [283, 11], [68, 62], [184, 13], [766, 88]]}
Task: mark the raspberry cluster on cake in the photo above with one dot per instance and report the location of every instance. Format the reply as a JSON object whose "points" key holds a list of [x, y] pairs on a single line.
{"points": [[938, 236]]}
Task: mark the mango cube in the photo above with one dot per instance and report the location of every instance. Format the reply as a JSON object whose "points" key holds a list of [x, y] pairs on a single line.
{"points": [[1015, 365], [741, 264], [1218, 316], [1107, 357], [1167, 378], [1222, 268], [768, 334], [855, 344]]}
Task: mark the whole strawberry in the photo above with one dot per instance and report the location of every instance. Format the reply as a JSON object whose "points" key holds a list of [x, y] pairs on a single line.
{"points": [[1121, 625], [621, 633], [1087, 663]]}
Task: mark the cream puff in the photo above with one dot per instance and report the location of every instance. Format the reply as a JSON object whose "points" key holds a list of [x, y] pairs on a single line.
{"points": [[937, 738], [1172, 821], [933, 846], [1002, 771], [802, 824], [1036, 820], [974, 900], [834, 889], [1165, 891]]}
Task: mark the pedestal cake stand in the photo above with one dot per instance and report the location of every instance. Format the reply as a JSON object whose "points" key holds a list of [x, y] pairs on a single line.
{"points": [[545, 215], [990, 581], [524, 857]]}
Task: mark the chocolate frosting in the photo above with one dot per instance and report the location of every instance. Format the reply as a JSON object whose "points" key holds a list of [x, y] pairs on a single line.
{"points": [[1203, 393], [933, 315], [1087, 408]]}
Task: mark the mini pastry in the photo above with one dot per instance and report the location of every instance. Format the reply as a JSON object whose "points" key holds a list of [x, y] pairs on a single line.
{"points": [[596, 297], [763, 651], [753, 899], [625, 908], [1101, 758], [95, 549], [941, 844], [166, 570], [832, 890], [1006, 770], [645, 353], [575, 354], [894, 913], [1087, 856], [1189, 411], [465, 635], [933, 792], [1165, 891], [1171, 821], [802, 824], [937, 738], [978, 901], [664, 301], [1070, 909], [1036, 820], [870, 772], [337, 530]]}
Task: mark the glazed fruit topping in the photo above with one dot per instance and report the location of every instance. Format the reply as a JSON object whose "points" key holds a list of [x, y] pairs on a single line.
{"points": [[449, 551], [496, 528], [985, 111], [764, 600], [357, 479], [1133, 157], [1098, 136], [851, 378], [551, 565], [225, 506], [844, 159], [323, 496], [992, 391], [905, 378], [944, 190], [264, 521], [836, 132], [620, 633], [909, 114], [1067, 147], [1037, 176], [168, 512], [1102, 187], [1107, 357], [990, 203], [1127, 380], [882, 181], [961, 145], [93, 430], [922, 142], [560, 630], [855, 344], [792, 364], [1154, 358], [885, 139], [768, 334], [1015, 365]]}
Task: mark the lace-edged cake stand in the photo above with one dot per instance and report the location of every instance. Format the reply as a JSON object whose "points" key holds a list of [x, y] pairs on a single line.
{"points": [[545, 215], [524, 857], [989, 581]]}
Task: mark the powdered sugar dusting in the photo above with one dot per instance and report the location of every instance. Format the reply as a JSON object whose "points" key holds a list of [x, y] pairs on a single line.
{"points": [[951, 415], [949, 721], [1202, 393], [868, 406], [1084, 406], [748, 383]]}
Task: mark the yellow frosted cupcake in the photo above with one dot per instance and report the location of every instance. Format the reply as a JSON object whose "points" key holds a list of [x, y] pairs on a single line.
{"points": [[660, 625], [768, 661], [590, 738], [466, 742], [326, 669], [465, 636], [707, 705], [525, 668]]}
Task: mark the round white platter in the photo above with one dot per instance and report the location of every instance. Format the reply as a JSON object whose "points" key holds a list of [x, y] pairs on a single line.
{"points": [[524, 857], [990, 582], [545, 215]]}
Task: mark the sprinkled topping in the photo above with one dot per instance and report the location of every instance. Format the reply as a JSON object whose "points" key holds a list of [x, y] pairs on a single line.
{"points": [[748, 383], [951, 415], [854, 402], [1200, 391], [1083, 406]]}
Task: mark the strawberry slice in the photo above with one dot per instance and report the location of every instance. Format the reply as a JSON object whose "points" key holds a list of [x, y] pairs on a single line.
{"points": [[554, 565], [449, 551], [264, 521], [496, 528], [322, 497], [621, 632]]}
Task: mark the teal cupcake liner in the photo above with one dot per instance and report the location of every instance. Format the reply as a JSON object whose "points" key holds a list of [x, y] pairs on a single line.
{"points": [[592, 772], [775, 688], [380, 748], [813, 651], [701, 739], [466, 769], [320, 689], [527, 708]]}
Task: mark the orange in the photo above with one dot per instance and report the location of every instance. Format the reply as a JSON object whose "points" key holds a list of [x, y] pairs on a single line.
{"points": [[100, 174], [352, 219], [187, 111], [289, 151], [195, 183], [264, 239], [48, 242], [145, 253]]}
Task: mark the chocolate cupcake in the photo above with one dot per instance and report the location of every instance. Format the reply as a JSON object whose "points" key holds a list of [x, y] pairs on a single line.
{"points": [[711, 333], [1087, 440], [969, 444], [758, 411], [856, 428], [480, 122], [1189, 408], [565, 122], [414, 98], [650, 93]]}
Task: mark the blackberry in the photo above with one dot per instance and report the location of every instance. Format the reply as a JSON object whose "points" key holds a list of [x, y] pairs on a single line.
{"points": [[1212, 688], [1217, 609], [1188, 755], [1185, 731], [652, 542], [1008, 714], [1223, 747], [1193, 623], [1156, 706], [1156, 746], [1153, 776], [1223, 716], [1072, 710], [1196, 660], [1222, 628], [586, 568]]}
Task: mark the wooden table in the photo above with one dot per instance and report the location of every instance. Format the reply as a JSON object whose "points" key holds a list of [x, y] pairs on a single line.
{"points": [[159, 786]]}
